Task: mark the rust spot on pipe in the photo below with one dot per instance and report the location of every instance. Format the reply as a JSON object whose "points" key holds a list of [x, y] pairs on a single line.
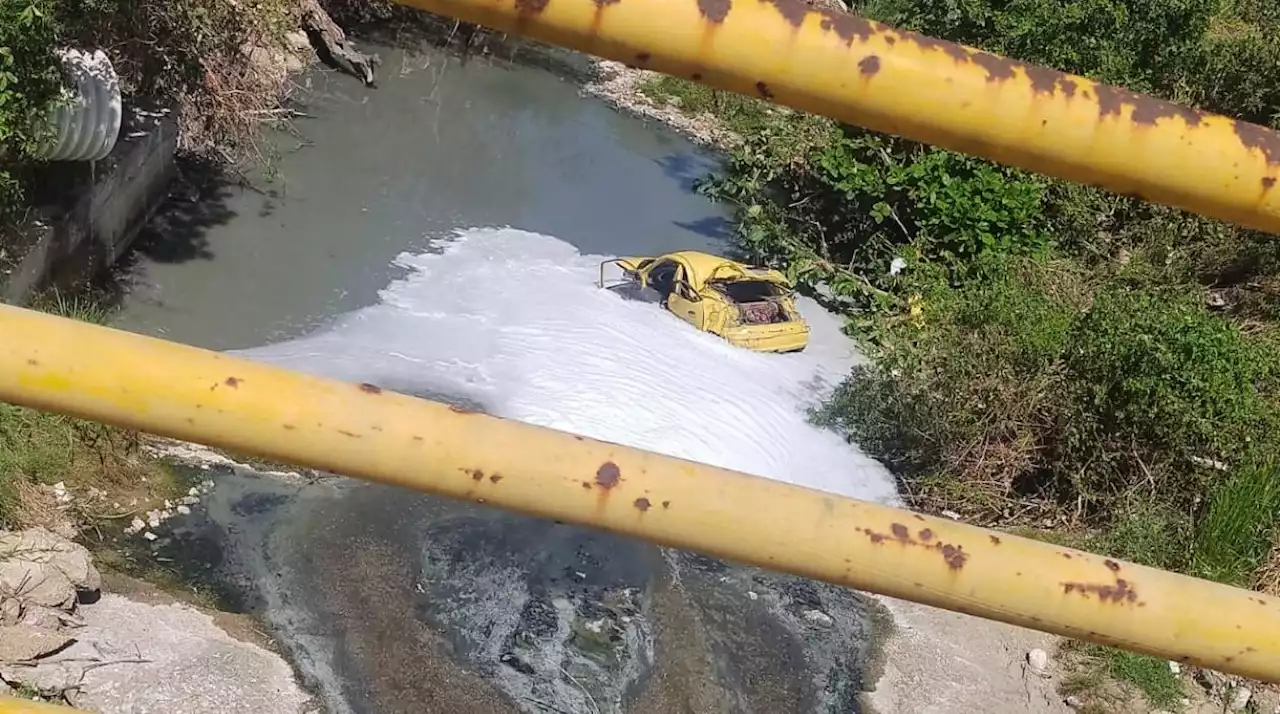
{"points": [[1266, 141], [1112, 565], [233, 382], [475, 474], [999, 69], [847, 26], [495, 478], [900, 532], [642, 504], [1146, 110], [955, 556], [370, 388], [1066, 555], [1268, 183], [666, 504], [586, 485], [869, 66], [348, 434], [289, 427], [715, 10], [917, 516], [1120, 592], [33, 363], [417, 438], [995, 540], [643, 57], [763, 90], [926, 535], [608, 475], [793, 11], [890, 40], [531, 7]]}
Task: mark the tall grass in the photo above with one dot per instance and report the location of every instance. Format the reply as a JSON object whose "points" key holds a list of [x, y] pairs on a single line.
{"points": [[1234, 535]]}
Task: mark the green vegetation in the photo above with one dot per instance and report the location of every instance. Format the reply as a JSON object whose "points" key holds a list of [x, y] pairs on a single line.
{"points": [[192, 51], [41, 449], [1047, 357]]}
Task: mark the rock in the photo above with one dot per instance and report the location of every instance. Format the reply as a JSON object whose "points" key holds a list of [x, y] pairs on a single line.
{"points": [[1266, 701], [36, 583], [23, 643], [1038, 660], [162, 658], [297, 41], [47, 618], [1210, 680], [1239, 699], [1074, 702], [1175, 668], [38, 545], [818, 617], [10, 610]]}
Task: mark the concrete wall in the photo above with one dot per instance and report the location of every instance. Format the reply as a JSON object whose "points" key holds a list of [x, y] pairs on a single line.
{"points": [[84, 237]]}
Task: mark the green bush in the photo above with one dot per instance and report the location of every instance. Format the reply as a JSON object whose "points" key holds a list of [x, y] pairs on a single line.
{"points": [[1033, 384], [29, 84], [853, 203]]}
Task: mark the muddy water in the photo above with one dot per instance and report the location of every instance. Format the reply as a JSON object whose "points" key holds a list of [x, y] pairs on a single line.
{"points": [[369, 259]]}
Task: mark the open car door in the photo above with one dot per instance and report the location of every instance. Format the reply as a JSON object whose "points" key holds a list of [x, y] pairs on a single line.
{"points": [[630, 268]]}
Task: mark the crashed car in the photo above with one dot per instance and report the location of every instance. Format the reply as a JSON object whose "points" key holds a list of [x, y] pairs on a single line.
{"points": [[750, 307]]}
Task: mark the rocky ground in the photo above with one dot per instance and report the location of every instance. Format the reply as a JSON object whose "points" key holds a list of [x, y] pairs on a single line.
{"points": [[63, 639]]}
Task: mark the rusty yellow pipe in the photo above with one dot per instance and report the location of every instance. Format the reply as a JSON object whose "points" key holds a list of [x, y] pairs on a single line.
{"points": [[106, 375], [902, 83]]}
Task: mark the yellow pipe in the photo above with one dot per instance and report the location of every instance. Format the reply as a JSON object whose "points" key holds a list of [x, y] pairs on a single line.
{"points": [[14, 705], [865, 73], [106, 375]]}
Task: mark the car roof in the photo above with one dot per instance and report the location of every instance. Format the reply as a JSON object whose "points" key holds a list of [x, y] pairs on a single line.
{"points": [[703, 265]]}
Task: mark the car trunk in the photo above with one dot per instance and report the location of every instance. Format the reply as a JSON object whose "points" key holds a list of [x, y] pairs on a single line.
{"points": [[756, 300]]}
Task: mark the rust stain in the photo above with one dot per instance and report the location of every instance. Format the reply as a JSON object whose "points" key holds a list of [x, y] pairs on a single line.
{"points": [[999, 69], [715, 10], [1146, 110], [417, 438], [586, 485], [1112, 565], [643, 57], [848, 26], [995, 540], [793, 11], [696, 76], [33, 363], [475, 474], [869, 66], [375, 427], [1120, 592], [289, 427], [1268, 183], [495, 478], [763, 90], [666, 504], [531, 7], [954, 555], [608, 475], [191, 421], [233, 382], [917, 516], [1266, 141], [1066, 555], [370, 388], [642, 504], [348, 434], [890, 40]]}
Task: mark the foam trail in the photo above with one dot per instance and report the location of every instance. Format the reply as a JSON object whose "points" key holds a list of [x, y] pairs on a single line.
{"points": [[514, 321]]}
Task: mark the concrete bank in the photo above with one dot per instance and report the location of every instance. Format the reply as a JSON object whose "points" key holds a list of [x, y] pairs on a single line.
{"points": [[90, 226]]}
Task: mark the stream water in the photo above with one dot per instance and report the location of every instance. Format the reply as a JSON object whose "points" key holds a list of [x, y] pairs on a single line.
{"points": [[440, 236]]}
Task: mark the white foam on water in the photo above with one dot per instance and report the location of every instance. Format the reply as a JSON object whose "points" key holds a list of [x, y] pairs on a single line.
{"points": [[514, 321]]}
